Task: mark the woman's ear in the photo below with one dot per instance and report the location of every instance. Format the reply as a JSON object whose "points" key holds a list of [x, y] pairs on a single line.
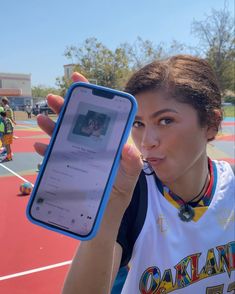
{"points": [[213, 128]]}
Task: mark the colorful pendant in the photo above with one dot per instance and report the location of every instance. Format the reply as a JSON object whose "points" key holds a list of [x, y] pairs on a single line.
{"points": [[186, 213], [147, 168]]}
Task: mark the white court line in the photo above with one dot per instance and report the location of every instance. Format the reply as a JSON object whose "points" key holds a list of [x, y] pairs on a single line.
{"points": [[14, 173], [39, 269], [2, 278]]}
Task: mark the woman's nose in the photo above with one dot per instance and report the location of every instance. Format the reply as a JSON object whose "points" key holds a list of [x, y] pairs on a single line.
{"points": [[150, 139]]}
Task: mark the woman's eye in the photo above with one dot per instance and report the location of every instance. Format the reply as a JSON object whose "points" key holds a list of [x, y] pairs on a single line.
{"points": [[166, 121], [137, 124]]}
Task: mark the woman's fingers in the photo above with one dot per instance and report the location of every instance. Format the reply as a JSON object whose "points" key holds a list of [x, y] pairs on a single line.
{"points": [[131, 160], [128, 173], [77, 77], [40, 148], [55, 102], [46, 124]]}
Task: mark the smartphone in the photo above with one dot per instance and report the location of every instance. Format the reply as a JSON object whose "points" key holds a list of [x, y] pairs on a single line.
{"points": [[79, 168]]}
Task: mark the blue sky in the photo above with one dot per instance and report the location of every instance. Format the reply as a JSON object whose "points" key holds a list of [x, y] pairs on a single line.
{"points": [[35, 33]]}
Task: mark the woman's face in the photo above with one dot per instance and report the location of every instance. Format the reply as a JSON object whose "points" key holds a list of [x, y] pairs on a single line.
{"points": [[169, 136]]}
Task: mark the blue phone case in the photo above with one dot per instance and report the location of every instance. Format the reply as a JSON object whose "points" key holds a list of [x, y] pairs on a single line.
{"points": [[113, 173]]}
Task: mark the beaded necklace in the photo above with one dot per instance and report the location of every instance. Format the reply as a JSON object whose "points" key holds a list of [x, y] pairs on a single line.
{"points": [[186, 209]]}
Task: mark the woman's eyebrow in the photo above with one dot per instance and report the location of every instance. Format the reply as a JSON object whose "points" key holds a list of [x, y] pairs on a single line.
{"points": [[157, 113]]}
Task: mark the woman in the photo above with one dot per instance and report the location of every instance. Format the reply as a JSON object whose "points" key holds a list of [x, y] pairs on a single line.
{"points": [[185, 238]]}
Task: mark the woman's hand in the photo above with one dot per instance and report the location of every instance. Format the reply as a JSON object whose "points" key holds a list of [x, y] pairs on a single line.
{"points": [[130, 165], [55, 102]]}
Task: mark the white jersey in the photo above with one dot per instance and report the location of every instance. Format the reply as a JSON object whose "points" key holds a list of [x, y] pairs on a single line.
{"points": [[186, 257]]}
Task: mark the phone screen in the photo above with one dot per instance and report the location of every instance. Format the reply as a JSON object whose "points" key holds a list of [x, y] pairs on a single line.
{"points": [[78, 167]]}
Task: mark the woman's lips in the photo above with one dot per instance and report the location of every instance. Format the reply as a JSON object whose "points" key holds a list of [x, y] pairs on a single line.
{"points": [[154, 161]]}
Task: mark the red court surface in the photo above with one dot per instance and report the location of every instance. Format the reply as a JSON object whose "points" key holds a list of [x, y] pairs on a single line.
{"points": [[33, 260], [228, 123], [226, 138], [26, 139], [26, 144], [32, 240], [44, 282], [229, 160]]}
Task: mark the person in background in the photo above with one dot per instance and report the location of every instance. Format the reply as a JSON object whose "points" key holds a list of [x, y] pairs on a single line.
{"points": [[6, 106], [7, 138], [2, 130], [28, 109]]}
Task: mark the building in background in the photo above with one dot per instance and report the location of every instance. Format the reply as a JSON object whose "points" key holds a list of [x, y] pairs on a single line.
{"points": [[68, 70], [17, 87]]}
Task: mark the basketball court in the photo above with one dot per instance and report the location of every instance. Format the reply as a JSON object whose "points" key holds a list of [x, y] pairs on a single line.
{"points": [[35, 260]]}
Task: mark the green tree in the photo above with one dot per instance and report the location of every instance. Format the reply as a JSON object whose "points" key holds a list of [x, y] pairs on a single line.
{"points": [[142, 52], [41, 91], [216, 41], [112, 68], [108, 67], [63, 84], [99, 63]]}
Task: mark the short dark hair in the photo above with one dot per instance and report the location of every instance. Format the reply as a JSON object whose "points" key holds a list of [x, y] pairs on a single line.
{"points": [[4, 99], [186, 78]]}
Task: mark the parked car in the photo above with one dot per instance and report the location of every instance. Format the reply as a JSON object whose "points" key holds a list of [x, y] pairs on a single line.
{"points": [[42, 108]]}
